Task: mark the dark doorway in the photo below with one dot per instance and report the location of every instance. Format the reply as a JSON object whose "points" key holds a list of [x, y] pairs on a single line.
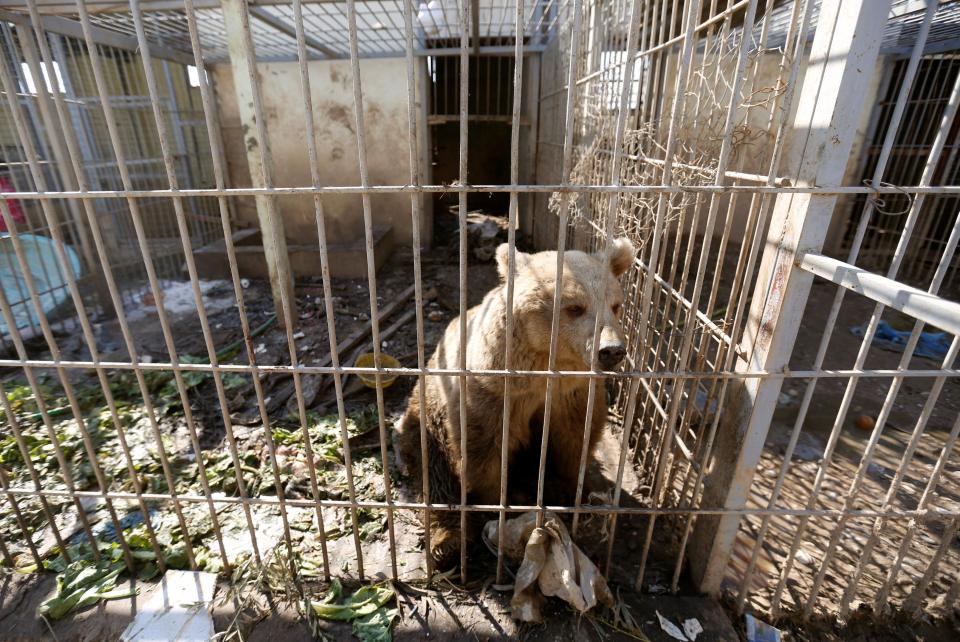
{"points": [[489, 110]]}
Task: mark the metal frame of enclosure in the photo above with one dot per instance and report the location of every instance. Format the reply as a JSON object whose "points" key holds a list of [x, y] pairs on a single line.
{"points": [[655, 119]]}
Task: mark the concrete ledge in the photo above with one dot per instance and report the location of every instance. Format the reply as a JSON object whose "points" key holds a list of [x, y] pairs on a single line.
{"points": [[347, 261]]}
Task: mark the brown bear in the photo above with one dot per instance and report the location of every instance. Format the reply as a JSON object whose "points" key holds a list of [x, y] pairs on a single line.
{"points": [[590, 287]]}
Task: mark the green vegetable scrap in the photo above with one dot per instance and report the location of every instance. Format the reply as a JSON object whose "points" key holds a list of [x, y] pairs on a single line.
{"points": [[84, 583], [366, 609]]}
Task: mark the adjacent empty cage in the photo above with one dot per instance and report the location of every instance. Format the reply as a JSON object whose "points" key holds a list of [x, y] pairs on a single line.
{"points": [[211, 210]]}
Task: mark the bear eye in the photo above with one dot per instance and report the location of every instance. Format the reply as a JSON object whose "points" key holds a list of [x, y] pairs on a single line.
{"points": [[576, 310], [616, 309]]}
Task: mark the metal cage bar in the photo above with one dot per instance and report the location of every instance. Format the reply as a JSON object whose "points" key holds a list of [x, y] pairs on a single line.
{"points": [[714, 135]]}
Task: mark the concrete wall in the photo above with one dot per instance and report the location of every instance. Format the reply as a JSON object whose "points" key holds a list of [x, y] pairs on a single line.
{"points": [[385, 109]]}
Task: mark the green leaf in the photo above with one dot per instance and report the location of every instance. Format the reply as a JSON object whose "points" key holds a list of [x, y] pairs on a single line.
{"points": [[232, 380], [376, 626], [83, 583], [338, 612], [148, 572], [365, 608]]}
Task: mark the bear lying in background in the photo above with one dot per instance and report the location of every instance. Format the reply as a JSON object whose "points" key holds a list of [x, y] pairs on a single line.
{"points": [[590, 287]]}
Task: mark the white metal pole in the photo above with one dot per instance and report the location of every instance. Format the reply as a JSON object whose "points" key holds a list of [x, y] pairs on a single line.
{"points": [[841, 63]]}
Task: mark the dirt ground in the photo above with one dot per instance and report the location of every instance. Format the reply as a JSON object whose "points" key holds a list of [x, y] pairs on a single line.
{"points": [[879, 474]]}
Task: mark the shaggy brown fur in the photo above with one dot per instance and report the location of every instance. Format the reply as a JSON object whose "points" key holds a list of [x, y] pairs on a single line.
{"points": [[590, 287]]}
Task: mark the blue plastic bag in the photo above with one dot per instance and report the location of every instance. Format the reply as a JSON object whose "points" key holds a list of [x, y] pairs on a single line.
{"points": [[932, 345]]}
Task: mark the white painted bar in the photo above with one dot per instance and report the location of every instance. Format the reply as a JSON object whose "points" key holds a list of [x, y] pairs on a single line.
{"points": [[919, 304]]}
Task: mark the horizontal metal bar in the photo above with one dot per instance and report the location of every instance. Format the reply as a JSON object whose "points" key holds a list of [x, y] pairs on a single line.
{"points": [[370, 55], [742, 176], [435, 372], [107, 37], [439, 119], [925, 515], [926, 307], [490, 50], [941, 46], [467, 188]]}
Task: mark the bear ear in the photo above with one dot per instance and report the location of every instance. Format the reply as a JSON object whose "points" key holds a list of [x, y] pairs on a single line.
{"points": [[503, 258], [621, 253]]}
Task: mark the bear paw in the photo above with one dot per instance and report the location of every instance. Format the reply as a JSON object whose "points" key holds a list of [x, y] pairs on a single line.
{"points": [[444, 547]]}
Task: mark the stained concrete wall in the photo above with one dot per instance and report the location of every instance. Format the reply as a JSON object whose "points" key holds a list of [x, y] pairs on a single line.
{"points": [[385, 112]]}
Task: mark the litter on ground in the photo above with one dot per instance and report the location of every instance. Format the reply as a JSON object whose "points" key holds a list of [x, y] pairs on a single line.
{"points": [[177, 610], [550, 565], [932, 345], [759, 631]]}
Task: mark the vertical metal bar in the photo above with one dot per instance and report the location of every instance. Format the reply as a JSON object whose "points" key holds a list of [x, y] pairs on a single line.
{"points": [[475, 30], [633, 36], [371, 271], [168, 162], [462, 360], [218, 166], [287, 302], [21, 522], [319, 214], [416, 213], [511, 274], [561, 246]]}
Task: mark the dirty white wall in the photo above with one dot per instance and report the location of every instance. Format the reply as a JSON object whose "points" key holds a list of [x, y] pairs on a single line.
{"points": [[385, 107]]}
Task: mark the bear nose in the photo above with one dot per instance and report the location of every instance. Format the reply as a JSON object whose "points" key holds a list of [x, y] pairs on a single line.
{"points": [[611, 355]]}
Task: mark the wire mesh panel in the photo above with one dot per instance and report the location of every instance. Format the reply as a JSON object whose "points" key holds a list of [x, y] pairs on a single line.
{"points": [[767, 435], [719, 111], [929, 97]]}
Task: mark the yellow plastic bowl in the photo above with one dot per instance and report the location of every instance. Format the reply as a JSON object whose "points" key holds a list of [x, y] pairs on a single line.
{"points": [[366, 360]]}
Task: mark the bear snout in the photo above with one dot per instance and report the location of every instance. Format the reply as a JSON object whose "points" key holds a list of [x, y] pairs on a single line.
{"points": [[611, 354]]}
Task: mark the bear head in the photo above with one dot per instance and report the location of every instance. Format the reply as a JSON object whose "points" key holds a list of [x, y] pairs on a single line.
{"points": [[590, 289]]}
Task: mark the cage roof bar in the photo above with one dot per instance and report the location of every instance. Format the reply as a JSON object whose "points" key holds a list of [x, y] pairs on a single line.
{"points": [[273, 33], [108, 37], [287, 29]]}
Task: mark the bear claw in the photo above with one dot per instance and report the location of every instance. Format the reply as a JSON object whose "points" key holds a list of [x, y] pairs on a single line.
{"points": [[444, 547]]}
